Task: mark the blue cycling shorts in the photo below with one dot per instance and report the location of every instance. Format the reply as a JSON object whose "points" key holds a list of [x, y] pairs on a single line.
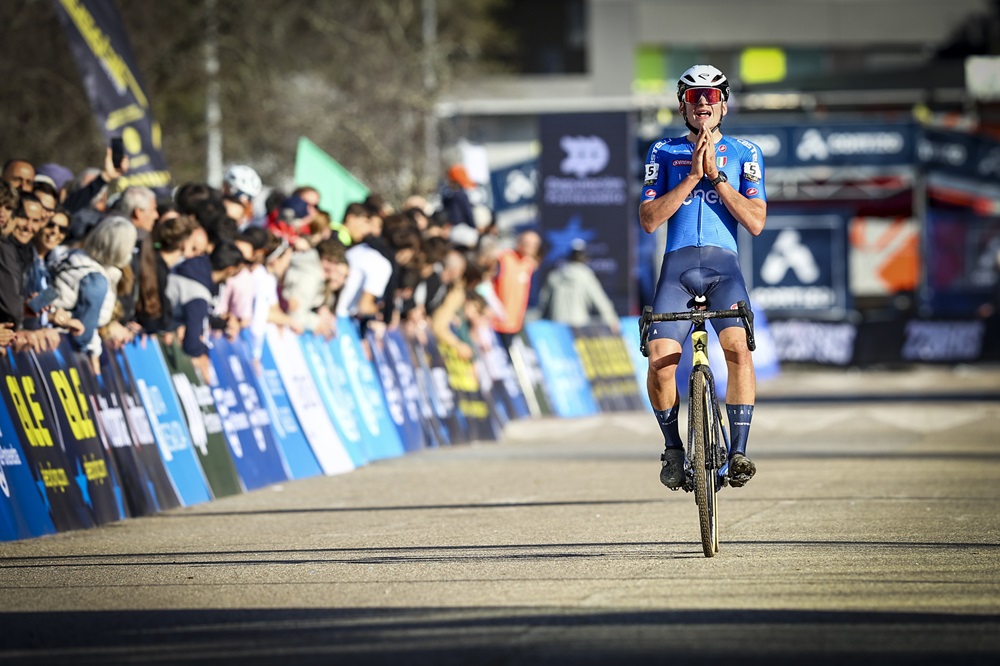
{"points": [[671, 296]]}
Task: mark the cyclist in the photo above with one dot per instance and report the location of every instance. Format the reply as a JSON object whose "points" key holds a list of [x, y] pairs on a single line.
{"points": [[703, 186]]}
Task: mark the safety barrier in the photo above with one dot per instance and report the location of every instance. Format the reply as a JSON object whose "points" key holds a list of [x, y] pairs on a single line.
{"points": [[148, 432]]}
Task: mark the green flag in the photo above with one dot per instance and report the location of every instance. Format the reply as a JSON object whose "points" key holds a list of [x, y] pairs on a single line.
{"points": [[337, 187]]}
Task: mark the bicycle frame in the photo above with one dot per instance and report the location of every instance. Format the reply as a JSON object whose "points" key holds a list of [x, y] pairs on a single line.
{"points": [[699, 347], [707, 457]]}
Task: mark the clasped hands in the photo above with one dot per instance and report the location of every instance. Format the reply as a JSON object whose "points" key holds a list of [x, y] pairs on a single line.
{"points": [[703, 158]]}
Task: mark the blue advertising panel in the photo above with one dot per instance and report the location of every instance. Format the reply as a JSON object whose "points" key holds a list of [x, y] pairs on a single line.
{"points": [[35, 425], [152, 380], [515, 194], [437, 403], [116, 373], [244, 420], [774, 141], [307, 402], [798, 265], [334, 389], [585, 179], [827, 144], [381, 435], [566, 384], [292, 443], [404, 409], [496, 376], [830, 144], [214, 451], [630, 334], [418, 402], [114, 433], [852, 145], [23, 513], [93, 470]]}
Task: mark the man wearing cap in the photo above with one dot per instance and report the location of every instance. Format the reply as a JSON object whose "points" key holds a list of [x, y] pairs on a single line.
{"points": [[454, 198], [58, 174], [286, 221]]}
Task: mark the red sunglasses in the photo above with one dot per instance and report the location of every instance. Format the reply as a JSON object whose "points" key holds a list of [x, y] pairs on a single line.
{"points": [[694, 95]]}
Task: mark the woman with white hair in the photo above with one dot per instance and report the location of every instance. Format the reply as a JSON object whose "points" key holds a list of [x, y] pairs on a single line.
{"points": [[88, 280]]}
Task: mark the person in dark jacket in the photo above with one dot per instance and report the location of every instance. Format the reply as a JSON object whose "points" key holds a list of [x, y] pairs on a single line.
{"points": [[192, 288]]}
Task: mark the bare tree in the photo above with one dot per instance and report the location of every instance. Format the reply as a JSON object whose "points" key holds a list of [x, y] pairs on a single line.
{"points": [[347, 74]]}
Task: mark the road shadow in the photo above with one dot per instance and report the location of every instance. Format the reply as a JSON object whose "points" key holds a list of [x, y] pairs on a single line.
{"points": [[496, 636]]}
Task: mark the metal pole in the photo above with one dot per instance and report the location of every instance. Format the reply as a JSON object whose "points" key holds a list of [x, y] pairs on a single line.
{"points": [[213, 110], [432, 155]]}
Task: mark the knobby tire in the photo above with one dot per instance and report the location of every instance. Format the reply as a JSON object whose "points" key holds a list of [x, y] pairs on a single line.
{"points": [[703, 429]]}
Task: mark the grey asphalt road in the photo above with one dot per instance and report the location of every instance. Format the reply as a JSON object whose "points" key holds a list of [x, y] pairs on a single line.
{"points": [[871, 534]]}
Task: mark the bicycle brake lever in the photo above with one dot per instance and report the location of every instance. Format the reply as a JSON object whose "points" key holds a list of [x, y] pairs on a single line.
{"points": [[644, 322], [746, 314]]}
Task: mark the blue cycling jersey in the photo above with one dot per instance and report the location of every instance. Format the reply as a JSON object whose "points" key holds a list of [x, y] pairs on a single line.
{"points": [[703, 219]]}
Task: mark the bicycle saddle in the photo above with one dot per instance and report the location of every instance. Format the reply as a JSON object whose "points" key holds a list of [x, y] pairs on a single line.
{"points": [[700, 281]]}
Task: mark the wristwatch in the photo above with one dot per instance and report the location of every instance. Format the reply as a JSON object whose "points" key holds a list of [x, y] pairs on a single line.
{"points": [[721, 178]]}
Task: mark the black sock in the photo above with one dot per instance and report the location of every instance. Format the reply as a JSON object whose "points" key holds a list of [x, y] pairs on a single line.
{"points": [[667, 418], [739, 427]]}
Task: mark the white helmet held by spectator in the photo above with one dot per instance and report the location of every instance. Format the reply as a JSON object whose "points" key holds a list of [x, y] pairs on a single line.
{"points": [[241, 179]]}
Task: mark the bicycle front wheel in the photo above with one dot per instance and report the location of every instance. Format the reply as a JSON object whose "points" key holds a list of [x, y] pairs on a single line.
{"points": [[703, 434]]}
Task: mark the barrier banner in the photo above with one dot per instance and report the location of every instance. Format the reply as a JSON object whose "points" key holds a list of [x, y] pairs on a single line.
{"points": [[204, 422], [496, 376], [630, 336], [34, 424], [93, 470], [404, 409], [299, 459], [418, 401], [115, 371], [434, 378], [340, 403], [244, 419], [23, 513], [436, 406], [566, 384], [524, 362], [148, 370], [304, 396], [381, 437], [481, 422], [608, 368], [113, 432]]}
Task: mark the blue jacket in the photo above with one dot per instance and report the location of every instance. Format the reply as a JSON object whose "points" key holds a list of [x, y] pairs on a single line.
{"points": [[191, 292]]}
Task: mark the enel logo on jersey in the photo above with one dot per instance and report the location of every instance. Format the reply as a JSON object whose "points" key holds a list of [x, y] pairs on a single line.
{"points": [[710, 196]]}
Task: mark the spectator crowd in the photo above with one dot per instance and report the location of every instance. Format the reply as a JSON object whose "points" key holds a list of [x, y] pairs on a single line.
{"points": [[88, 255]]}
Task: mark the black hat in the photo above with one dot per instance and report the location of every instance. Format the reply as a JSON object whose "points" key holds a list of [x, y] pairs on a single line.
{"points": [[226, 255]]}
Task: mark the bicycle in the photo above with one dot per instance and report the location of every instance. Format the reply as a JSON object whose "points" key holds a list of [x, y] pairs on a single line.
{"points": [[707, 454]]}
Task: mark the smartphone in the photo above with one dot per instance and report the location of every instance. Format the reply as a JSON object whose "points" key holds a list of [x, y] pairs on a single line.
{"points": [[42, 300], [117, 151]]}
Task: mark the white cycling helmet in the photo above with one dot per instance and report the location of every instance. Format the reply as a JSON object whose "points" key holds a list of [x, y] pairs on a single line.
{"points": [[243, 179], [703, 76]]}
